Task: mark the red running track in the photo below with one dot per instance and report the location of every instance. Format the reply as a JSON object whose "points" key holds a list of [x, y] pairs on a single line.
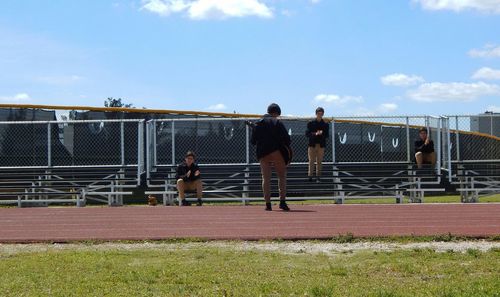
{"points": [[245, 222]]}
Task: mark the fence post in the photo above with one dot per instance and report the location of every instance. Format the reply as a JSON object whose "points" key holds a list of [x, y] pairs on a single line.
{"points": [[122, 142], [173, 143], [439, 146], [140, 150], [457, 139], [148, 150], [408, 148], [49, 145], [247, 170]]}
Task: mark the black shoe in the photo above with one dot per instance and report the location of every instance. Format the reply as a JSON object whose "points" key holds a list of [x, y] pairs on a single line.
{"points": [[310, 179], [284, 206], [269, 206], [184, 202], [199, 203], [318, 180]]}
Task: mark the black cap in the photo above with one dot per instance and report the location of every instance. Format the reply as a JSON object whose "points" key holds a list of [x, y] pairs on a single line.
{"points": [[320, 109], [274, 108]]}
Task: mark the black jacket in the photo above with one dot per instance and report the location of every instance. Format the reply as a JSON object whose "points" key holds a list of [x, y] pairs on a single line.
{"points": [[314, 126], [269, 134], [182, 170], [420, 146]]}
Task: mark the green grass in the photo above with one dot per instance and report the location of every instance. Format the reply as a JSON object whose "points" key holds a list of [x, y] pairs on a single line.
{"points": [[203, 271]]}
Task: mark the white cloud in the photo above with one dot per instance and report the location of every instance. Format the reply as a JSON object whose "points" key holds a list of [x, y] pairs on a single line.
{"points": [[401, 80], [493, 108], [486, 73], [454, 91], [387, 107], [16, 98], [485, 6], [219, 106], [315, 1], [209, 9], [488, 51], [337, 99]]}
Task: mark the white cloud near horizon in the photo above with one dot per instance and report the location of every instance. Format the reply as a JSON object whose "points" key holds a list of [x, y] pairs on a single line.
{"points": [[218, 107], [484, 6], [20, 97], [488, 51], [209, 9], [401, 80], [337, 100], [452, 92], [487, 73]]}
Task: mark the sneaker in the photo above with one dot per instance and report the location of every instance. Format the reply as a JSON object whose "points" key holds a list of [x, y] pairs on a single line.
{"points": [[269, 206], [284, 206], [318, 179], [184, 202], [199, 203]]}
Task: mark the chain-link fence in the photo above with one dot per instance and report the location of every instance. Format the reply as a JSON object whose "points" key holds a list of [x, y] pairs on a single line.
{"points": [[72, 143], [475, 138], [226, 141]]}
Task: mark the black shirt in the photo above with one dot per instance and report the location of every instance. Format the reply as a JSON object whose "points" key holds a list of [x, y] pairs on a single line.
{"points": [[314, 126], [269, 134], [420, 146], [182, 170]]}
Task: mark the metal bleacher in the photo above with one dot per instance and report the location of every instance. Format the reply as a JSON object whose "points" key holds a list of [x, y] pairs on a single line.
{"points": [[105, 160]]}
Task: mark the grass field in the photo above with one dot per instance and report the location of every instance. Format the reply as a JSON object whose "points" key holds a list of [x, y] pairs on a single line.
{"points": [[211, 271]]}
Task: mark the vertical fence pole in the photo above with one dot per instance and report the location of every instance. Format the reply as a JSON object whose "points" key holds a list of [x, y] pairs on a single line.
{"points": [[439, 146], [155, 159], [49, 145], [148, 150], [247, 159], [333, 141], [457, 139], [140, 152], [448, 141], [408, 148], [173, 143], [122, 142]]}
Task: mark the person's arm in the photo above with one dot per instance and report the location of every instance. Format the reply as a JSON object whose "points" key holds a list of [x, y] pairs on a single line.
{"points": [[285, 137], [326, 130], [418, 148], [181, 174], [309, 132], [255, 134], [197, 172], [428, 147]]}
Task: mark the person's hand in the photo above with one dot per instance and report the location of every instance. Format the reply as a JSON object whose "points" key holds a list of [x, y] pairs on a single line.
{"points": [[427, 141], [188, 174], [320, 132], [197, 172]]}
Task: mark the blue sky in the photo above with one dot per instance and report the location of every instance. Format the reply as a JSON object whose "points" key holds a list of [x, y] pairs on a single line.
{"points": [[351, 57]]}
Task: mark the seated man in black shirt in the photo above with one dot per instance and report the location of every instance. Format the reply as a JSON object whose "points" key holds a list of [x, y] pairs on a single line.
{"points": [[189, 178], [424, 149]]}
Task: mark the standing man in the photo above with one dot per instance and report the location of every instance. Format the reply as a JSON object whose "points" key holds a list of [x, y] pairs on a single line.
{"points": [[424, 149], [189, 178], [317, 132], [273, 142]]}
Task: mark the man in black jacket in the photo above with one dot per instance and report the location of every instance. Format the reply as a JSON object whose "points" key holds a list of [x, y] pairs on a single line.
{"points": [[424, 149], [317, 132], [270, 136], [189, 178]]}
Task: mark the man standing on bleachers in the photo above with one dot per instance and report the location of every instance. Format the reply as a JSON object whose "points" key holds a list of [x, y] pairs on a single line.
{"points": [[317, 132], [273, 150], [189, 179], [424, 149]]}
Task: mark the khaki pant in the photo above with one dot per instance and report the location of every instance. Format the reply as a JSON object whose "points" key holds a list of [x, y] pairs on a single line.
{"points": [[315, 154], [274, 159], [183, 186], [425, 158]]}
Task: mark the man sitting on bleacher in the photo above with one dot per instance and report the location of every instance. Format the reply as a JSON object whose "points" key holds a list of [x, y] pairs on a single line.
{"points": [[189, 179], [424, 149]]}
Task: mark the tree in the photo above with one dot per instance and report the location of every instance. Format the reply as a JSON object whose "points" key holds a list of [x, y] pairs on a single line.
{"points": [[112, 102]]}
